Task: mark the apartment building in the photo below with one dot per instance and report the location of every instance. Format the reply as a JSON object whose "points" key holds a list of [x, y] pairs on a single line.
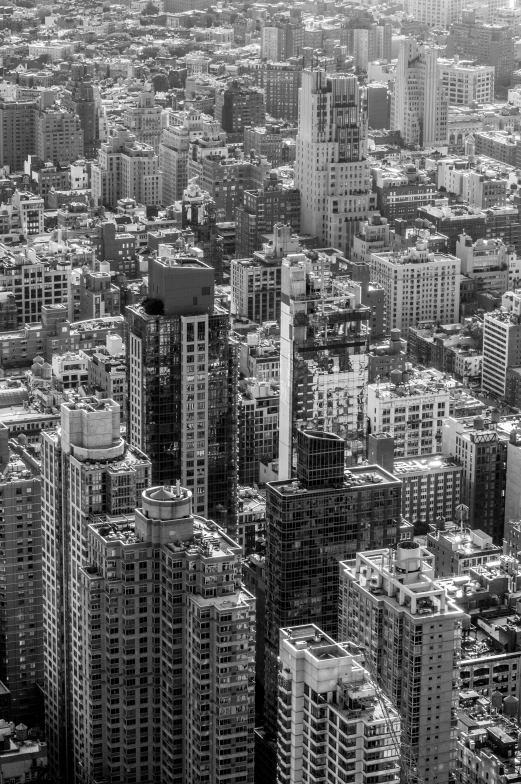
{"points": [[410, 630], [431, 488], [328, 707]]}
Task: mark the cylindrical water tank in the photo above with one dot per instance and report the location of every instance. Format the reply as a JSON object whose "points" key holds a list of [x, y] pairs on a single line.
{"points": [[496, 698], [396, 377], [510, 705], [408, 556]]}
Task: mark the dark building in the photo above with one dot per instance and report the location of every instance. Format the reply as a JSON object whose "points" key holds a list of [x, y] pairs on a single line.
{"points": [[261, 210], [183, 383], [400, 196], [484, 44], [453, 221], [281, 82], [378, 106], [239, 105], [82, 97], [322, 517], [17, 133]]}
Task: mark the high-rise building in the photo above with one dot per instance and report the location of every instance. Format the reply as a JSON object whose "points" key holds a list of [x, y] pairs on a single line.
{"points": [[314, 521], [83, 98], [21, 631], [480, 446], [384, 37], [238, 105], [331, 168], [59, 135], [87, 470], [419, 285], [183, 383], [258, 420], [125, 169], [17, 133], [419, 102], [139, 685], [282, 82], [501, 345], [329, 706], [263, 208], [410, 631], [198, 216], [324, 339], [144, 120]]}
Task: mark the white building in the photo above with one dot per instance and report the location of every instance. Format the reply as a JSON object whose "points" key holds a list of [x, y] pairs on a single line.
{"points": [[419, 103], [465, 82], [411, 408], [440, 14], [501, 343], [419, 285], [328, 708], [331, 168]]}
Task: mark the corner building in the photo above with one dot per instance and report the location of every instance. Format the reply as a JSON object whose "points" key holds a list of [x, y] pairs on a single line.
{"points": [[411, 633]]}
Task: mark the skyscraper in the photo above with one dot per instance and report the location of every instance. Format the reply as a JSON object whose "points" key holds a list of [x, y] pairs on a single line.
{"points": [[156, 626], [183, 383], [410, 630], [324, 515], [419, 103], [87, 470], [331, 168], [323, 367]]}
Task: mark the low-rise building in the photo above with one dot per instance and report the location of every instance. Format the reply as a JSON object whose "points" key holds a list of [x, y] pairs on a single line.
{"points": [[431, 488], [458, 548]]}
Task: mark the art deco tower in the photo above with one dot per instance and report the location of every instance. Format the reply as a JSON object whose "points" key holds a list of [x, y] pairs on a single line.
{"points": [[331, 168]]}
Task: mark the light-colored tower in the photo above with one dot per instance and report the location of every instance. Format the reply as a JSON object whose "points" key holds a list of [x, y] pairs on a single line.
{"points": [[410, 631], [331, 169], [328, 706], [420, 103]]}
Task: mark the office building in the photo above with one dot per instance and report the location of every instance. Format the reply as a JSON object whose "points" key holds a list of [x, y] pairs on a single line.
{"points": [[410, 630], [501, 346], [329, 703], [331, 513], [419, 102], [17, 133], [411, 407], [373, 236], [466, 82], [87, 470], [431, 489], [440, 15], [226, 179], [513, 476], [485, 44], [271, 141], [419, 285], [261, 210], [480, 446], [324, 339], [238, 105], [378, 106], [183, 381], [331, 168]]}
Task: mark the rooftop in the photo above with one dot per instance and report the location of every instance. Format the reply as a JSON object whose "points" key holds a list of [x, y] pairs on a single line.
{"points": [[356, 478]]}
